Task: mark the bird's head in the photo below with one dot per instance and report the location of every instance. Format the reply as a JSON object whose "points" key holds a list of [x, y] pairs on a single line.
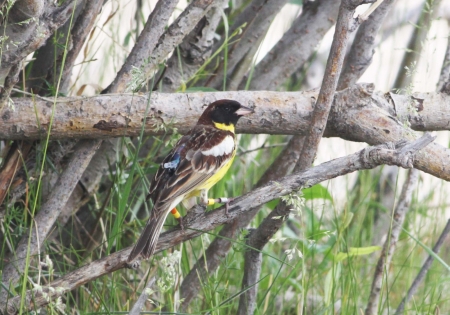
{"points": [[224, 114]]}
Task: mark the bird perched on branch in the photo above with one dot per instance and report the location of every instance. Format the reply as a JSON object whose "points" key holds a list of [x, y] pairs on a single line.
{"points": [[196, 163]]}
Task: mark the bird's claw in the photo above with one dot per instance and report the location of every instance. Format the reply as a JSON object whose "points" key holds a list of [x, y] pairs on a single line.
{"points": [[181, 223], [136, 264], [227, 207]]}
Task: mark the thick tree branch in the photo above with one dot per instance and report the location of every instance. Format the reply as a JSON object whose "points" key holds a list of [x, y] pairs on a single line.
{"points": [[384, 262], [401, 154], [107, 116], [357, 115]]}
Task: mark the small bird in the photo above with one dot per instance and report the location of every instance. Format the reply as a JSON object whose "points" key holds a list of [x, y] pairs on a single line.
{"points": [[196, 163]]}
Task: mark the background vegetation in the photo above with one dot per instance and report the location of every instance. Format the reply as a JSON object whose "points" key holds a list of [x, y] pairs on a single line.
{"points": [[321, 261]]}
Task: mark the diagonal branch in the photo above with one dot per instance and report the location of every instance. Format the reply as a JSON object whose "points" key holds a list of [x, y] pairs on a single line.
{"points": [[270, 225], [176, 32], [423, 271], [193, 51], [241, 54], [296, 45], [26, 33], [32, 242], [362, 50], [398, 217], [392, 154], [145, 45]]}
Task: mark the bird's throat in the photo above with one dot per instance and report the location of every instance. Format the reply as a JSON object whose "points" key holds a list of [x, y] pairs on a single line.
{"points": [[221, 126]]}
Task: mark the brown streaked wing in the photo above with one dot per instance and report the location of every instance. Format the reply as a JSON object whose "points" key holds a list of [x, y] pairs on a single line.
{"points": [[194, 168]]}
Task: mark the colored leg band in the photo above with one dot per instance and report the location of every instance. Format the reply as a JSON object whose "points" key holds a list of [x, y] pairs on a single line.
{"points": [[175, 213], [218, 200]]}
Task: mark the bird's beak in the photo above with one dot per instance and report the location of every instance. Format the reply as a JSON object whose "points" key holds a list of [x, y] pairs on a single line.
{"points": [[242, 111]]}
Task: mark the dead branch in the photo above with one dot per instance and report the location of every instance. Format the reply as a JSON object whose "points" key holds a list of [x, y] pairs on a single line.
{"points": [[401, 153], [107, 116], [296, 46], [240, 55], [176, 32], [398, 217], [357, 115], [416, 42], [80, 31], [316, 129], [137, 307]]}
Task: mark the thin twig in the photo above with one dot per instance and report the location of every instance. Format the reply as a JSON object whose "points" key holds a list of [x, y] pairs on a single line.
{"points": [[423, 271], [384, 262], [344, 26], [364, 159], [416, 44], [80, 31]]}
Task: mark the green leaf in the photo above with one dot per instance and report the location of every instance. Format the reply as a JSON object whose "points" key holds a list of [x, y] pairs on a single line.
{"points": [[316, 192], [356, 251], [200, 89]]}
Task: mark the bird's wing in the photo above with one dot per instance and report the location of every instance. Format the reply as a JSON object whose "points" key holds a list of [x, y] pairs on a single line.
{"points": [[195, 158]]}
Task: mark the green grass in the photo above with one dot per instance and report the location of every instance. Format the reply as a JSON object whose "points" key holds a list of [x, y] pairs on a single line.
{"points": [[335, 238]]}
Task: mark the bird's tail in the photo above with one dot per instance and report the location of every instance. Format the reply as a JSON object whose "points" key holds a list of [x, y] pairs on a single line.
{"points": [[146, 243]]}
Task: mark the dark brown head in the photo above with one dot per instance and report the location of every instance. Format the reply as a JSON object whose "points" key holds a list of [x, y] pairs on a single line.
{"points": [[223, 114]]}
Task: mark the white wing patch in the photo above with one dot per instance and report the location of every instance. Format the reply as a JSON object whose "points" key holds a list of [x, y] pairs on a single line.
{"points": [[223, 148]]}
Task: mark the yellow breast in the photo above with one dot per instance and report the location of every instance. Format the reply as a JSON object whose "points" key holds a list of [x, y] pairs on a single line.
{"points": [[213, 179]]}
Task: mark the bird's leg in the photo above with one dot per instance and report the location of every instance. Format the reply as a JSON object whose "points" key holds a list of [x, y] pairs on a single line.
{"points": [[204, 200], [223, 200], [178, 216]]}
